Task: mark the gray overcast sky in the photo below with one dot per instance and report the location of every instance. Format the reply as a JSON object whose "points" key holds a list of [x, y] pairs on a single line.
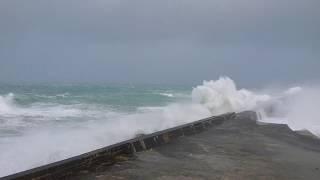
{"points": [[159, 41]]}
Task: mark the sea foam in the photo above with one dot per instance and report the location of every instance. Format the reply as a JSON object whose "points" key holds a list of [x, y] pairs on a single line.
{"points": [[297, 106], [222, 96], [6, 103], [52, 132]]}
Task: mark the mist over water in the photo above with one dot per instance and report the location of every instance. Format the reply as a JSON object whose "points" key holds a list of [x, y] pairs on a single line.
{"points": [[44, 124], [300, 110]]}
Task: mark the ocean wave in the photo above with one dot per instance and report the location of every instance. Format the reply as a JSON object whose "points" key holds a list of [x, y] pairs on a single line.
{"points": [[49, 143], [14, 116], [150, 108], [93, 126], [166, 94], [7, 104], [62, 95], [297, 106], [222, 96]]}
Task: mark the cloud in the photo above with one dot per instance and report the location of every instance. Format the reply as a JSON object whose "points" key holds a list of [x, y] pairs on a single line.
{"points": [[157, 20], [115, 37]]}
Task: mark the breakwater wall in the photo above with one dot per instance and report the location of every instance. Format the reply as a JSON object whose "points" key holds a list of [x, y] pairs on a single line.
{"points": [[110, 154]]}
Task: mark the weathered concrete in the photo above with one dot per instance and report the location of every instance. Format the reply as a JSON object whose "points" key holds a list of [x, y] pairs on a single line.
{"points": [[107, 156], [238, 149]]}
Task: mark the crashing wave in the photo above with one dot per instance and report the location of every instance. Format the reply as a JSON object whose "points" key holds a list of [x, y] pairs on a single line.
{"points": [[95, 127], [166, 94], [222, 96], [7, 103]]}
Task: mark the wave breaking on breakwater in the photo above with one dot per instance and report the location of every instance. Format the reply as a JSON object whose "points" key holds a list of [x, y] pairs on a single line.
{"points": [[297, 106], [48, 130]]}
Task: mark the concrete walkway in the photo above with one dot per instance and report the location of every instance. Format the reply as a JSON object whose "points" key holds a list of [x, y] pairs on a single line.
{"points": [[235, 150]]}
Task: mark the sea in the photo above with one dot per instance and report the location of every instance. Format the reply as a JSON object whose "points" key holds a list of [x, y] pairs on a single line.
{"points": [[45, 123]]}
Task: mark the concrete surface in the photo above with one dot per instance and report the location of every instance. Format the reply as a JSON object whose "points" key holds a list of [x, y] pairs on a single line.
{"points": [[235, 150]]}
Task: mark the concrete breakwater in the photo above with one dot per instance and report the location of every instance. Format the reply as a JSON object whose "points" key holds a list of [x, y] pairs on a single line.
{"points": [[111, 154]]}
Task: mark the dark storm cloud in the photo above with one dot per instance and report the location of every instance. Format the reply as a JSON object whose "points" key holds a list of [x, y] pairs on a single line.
{"points": [[174, 41]]}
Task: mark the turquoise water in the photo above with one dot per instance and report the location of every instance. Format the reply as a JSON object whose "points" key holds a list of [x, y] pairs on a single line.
{"points": [[45, 123], [120, 96], [41, 124], [33, 105]]}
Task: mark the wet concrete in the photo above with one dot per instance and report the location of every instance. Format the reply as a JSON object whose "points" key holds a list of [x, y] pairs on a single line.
{"points": [[237, 149], [92, 161]]}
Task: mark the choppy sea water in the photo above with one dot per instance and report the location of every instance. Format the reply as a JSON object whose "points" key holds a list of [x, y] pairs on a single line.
{"points": [[40, 124]]}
